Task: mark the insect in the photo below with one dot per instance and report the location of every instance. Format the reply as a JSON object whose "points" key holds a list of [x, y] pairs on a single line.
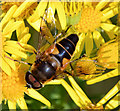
{"points": [[52, 62]]}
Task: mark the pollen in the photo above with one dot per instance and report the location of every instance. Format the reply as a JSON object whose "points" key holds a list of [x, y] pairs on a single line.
{"points": [[26, 13], [90, 20], [13, 87]]}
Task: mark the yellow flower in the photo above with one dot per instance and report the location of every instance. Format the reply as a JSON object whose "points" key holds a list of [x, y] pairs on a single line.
{"points": [[93, 22], [13, 47], [13, 88], [107, 56], [17, 9]]}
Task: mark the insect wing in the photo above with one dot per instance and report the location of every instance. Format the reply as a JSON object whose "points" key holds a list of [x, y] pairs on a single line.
{"points": [[47, 30]]}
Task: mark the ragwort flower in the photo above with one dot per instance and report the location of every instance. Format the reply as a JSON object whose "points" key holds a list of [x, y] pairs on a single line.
{"points": [[13, 47], [13, 88], [93, 21], [17, 9], [108, 57]]}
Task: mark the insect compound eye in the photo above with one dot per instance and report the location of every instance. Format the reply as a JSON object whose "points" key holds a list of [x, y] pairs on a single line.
{"points": [[32, 81]]}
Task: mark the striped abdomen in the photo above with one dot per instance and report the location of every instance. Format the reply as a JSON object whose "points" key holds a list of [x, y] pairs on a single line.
{"points": [[66, 47]]}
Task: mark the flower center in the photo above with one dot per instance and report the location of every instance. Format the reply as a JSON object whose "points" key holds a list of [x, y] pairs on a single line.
{"points": [[90, 20], [13, 87]]}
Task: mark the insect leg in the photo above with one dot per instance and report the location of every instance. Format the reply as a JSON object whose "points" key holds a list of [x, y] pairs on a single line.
{"points": [[23, 47], [68, 73], [19, 61]]}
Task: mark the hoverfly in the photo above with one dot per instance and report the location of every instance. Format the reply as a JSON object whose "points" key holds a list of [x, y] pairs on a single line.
{"points": [[52, 62]]}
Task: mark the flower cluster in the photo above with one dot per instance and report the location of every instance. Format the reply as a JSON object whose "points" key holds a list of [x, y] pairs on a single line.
{"points": [[98, 41]]}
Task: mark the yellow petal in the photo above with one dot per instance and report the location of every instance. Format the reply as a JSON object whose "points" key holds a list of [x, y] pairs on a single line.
{"points": [[14, 51], [88, 43], [14, 44], [106, 10], [71, 92], [84, 100], [101, 4], [80, 45], [21, 29], [108, 27], [110, 14], [1, 95], [9, 24], [61, 14], [2, 15], [34, 94], [22, 104], [25, 39], [9, 15], [23, 6], [5, 67], [36, 24], [112, 104], [28, 47], [109, 95], [98, 38], [12, 27], [38, 12], [112, 33], [103, 77], [20, 46], [54, 82], [87, 3], [0, 99], [114, 3], [11, 105], [11, 63], [107, 55]]}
